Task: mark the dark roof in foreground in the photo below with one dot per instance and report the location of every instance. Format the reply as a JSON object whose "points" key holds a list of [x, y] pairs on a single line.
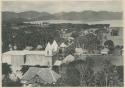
{"points": [[45, 74]]}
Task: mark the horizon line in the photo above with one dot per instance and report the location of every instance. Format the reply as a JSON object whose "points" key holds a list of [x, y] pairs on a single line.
{"points": [[62, 11]]}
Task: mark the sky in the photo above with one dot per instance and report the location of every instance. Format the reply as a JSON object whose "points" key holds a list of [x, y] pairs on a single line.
{"points": [[61, 6]]}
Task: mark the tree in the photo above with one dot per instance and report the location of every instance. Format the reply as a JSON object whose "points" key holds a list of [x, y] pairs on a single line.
{"points": [[110, 74], [99, 79], [75, 34], [24, 69], [20, 40], [72, 73], [11, 83], [6, 70], [110, 45], [86, 72], [90, 42]]}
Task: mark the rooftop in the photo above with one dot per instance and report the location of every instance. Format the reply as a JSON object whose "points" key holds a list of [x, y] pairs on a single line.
{"points": [[23, 52]]}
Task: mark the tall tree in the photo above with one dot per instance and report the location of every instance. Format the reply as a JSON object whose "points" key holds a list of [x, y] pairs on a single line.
{"points": [[6, 70], [110, 74], [72, 73], [90, 42], [110, 45], [86, 72]]}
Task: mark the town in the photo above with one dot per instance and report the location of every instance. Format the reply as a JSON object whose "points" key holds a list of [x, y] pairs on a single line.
{"points": [[64, 43], [65, 54]]}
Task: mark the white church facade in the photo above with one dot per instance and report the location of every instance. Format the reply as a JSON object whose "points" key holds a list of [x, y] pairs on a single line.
{"points": [[17, 58]]}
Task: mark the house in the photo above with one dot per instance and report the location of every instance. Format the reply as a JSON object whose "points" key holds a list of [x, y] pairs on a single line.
{"points": [[18, 58], [105, 51], [63, 45], [78, 51], [58, 63], [38, 58], [115, 34], [28, 48], [40, 75], [39, 47], [68, 59], [13, 57]]}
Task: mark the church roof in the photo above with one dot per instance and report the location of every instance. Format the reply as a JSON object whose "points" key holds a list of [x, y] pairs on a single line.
{"points": [[48, 47], [54, 44]]}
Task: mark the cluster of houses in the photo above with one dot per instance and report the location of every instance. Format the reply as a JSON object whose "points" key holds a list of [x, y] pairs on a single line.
{"points": [[46, 58], [114, 34]]}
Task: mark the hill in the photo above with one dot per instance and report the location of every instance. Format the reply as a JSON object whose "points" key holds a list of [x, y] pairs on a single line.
{"points": [[84, 15]]}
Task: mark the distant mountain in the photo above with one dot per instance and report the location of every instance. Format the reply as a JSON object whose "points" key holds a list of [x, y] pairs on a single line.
{"points": [[90, 15], [85, 15]]}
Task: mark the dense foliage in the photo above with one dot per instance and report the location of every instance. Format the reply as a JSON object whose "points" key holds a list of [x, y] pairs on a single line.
{"points": [[81, 73]]}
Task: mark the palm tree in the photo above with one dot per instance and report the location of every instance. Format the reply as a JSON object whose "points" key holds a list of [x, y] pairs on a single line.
{"points": [[85, 70]]}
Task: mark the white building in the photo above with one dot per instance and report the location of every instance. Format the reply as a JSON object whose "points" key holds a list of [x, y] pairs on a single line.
{"points": [[48, 49], [54, 46], [68, 59], [18, 58], [105, 51]]}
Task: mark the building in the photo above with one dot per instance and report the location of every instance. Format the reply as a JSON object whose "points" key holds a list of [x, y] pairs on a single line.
{"points": [[37, 76], [68, 59], [105, 51], [54, 46], [115, 34], [39, 47], [18, 58], [48, 49]]}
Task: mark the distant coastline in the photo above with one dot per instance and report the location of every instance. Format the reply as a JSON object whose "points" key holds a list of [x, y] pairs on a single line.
{"points": [[116, 23]]}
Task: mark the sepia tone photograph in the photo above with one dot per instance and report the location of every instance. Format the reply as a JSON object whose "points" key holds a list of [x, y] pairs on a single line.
{"points": [[62, 43]]}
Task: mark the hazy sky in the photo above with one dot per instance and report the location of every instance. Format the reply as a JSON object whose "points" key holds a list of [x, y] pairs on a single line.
{"points": [[56, 6]]}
